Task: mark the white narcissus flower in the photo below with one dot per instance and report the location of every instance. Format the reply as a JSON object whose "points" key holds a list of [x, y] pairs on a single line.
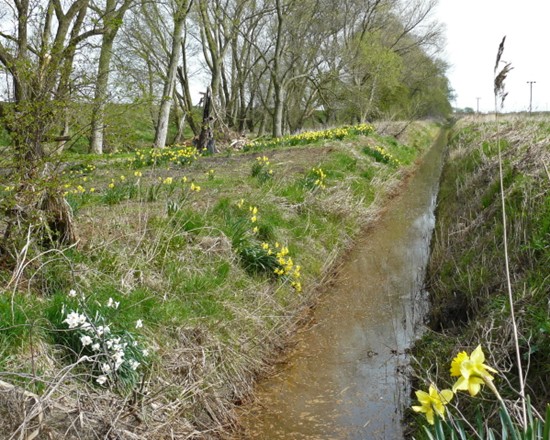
{"points": [[101, 379], [134, 364], [95, 347], [139, 323], [113, 304], [85, 340], [73, 319], [118, 356], [72, 293], [118, 359], [103, 330], [82, 320]]}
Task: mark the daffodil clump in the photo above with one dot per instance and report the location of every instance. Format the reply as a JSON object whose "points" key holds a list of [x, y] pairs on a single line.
{"points": [[320, 177], [261, 169], [113, 356], [309, 137], [472, 373], [168, 186], [433, 402], [286, 268], [253, 214], [315, 179], [120, 188], [272, 259], [176, 155], [78, 181], [381, 155]]}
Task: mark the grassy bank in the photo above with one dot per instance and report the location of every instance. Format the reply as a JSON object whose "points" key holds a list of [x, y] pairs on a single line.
{"points": [[189, 275], [466, 273]]}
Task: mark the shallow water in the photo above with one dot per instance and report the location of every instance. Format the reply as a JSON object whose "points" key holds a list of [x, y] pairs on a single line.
{"points": [[346, 379]]}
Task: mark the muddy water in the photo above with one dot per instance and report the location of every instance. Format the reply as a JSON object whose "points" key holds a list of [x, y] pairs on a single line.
{"points": [[347, 377]]}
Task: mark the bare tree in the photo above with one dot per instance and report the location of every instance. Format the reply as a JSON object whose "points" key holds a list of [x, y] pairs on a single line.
{"points": [[181, 10]]}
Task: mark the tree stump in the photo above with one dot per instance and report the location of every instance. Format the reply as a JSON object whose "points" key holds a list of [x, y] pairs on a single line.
{"points": [[206, 137]]}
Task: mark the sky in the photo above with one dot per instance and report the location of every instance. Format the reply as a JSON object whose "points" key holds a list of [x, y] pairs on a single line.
{"points": [[474, 29]]}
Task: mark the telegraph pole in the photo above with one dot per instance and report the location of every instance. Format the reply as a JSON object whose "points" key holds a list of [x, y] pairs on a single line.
{"points": [[531, 95], [478, 105]]}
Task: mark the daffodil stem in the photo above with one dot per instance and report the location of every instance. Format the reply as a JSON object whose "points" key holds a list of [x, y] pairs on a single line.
{"points": [[493, 388]]}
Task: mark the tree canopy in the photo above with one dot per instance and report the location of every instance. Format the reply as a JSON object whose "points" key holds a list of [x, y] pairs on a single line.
{"points": [[272, 65]]}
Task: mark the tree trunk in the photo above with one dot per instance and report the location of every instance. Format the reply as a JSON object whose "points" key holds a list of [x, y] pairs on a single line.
{"points": [[278, 111], [206, 138], [261, 127], [180, 118], [100, 99], [168, 91]]}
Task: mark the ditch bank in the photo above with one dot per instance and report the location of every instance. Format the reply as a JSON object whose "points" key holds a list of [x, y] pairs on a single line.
{"points": [[466, 272]]}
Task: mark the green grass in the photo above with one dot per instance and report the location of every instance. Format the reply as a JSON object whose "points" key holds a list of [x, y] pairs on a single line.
{"points": [[5, 139]]}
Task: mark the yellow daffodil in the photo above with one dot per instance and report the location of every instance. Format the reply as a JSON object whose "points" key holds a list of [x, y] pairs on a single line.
{"points": [[433, 402], [471, 371]]}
